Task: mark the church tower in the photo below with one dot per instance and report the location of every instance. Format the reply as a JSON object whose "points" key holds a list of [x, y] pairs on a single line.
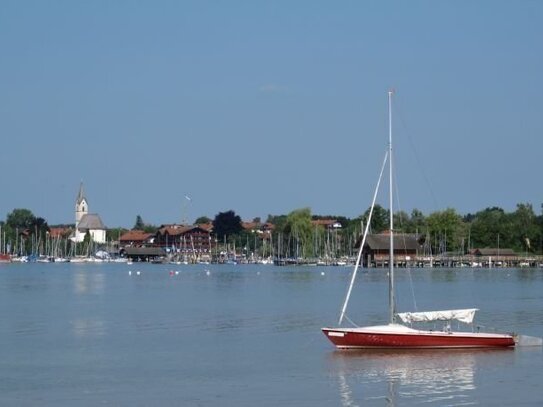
{"points": [[86, 222], [81, 206]]}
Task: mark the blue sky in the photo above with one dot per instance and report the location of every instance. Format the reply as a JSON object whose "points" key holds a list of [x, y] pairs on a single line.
{"points": [[265, 107]]}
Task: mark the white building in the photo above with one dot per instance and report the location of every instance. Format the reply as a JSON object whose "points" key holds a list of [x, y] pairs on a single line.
{"points": [[87, 222]]}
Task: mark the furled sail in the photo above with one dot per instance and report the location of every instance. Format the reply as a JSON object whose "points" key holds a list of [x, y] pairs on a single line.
{"points": [[462, 315]]}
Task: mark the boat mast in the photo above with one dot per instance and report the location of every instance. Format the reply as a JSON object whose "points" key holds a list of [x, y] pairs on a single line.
{"points": [[391, 301]]}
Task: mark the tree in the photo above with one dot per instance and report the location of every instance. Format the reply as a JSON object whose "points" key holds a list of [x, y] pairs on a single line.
{"points": [[490, 225], [226, 224], [40, 227], [202, 220], [21, 219], [139, 225], [379, 219], [298, 226], [402, 222], [525, 227], [418, 221], [87, 239], [150, 228], [277, 220], [447, 228], [113, 234]]}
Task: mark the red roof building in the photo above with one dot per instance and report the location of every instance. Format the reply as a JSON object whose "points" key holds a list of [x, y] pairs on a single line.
{"points": [[136, 238], [184, 238]]}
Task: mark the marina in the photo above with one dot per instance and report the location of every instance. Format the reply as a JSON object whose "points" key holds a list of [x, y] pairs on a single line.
{"points": [[190, 210]]}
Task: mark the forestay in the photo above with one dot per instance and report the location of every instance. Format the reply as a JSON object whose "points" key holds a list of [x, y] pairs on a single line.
{"points": [[462, 315]]}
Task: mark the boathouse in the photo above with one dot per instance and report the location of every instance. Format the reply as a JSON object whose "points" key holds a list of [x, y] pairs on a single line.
{"points": [[147, 254], [375, 252], [496, 256]]}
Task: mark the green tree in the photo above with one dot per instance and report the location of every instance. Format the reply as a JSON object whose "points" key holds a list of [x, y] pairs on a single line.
{"points": [[379, 219], [417, 221], [139, 225], [202, 220], [300, 230], [491, 227], [277, 220], [21, 219], [40, 227], [525, 227], [150, 228], [447, 229], [113, 234], [402, 222], [226, 224]]}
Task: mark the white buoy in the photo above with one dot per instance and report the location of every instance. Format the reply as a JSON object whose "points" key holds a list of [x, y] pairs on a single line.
{"points": [[322, 273], [129, 273], [138, 273], [177, 273], [208, 272]]}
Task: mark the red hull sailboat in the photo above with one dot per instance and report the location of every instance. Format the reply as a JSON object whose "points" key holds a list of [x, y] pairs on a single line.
{"points": [[399, 336]]}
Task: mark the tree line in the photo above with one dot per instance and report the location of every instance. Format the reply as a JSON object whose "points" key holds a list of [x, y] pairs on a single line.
{"points": [[445, 231], [294, 234]]}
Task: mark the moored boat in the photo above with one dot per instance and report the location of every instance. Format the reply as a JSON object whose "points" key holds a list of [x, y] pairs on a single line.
{"points": [[401, 336], [394, 334]]}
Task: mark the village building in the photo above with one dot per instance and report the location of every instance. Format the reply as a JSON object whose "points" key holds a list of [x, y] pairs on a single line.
{"points": [[496, 256], [250, 226], [262, 231], [375, 252], [184, 238], [136, 238], [60, 232], [146, 254], [326, 223], [86, 222]]}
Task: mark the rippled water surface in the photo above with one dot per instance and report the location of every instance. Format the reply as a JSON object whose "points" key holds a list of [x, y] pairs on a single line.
{"points": [[82, 334]]}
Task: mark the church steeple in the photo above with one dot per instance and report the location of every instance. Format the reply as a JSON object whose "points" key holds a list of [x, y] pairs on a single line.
{"points": [[80, 195], [81, 205]]}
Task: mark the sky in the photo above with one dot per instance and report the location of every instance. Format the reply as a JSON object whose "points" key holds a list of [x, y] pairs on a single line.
{"points": [[267, 107]]}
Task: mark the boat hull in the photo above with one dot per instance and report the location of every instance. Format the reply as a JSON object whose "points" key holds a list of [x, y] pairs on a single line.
{"points": [[361, 338]]}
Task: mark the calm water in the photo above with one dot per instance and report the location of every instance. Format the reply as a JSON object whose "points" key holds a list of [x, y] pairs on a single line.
{"points": [[250, 335]]}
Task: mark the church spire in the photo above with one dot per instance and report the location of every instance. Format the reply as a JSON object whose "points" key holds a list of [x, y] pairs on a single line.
{"points": [[80, 195], [81, 205]]}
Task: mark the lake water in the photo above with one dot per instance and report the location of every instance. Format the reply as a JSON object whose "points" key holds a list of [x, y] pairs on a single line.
{"points": [[83, 334]]}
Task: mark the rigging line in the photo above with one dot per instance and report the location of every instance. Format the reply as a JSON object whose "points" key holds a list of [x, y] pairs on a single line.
{"points": [[415, 153], [397, 195], [359, 257], [351, 321]]}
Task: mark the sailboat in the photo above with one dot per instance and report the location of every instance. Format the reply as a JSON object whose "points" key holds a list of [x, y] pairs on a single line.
{"points": [[398, 335]]}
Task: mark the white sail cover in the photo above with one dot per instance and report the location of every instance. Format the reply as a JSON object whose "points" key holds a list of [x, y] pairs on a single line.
{"points": [[462, 315]]}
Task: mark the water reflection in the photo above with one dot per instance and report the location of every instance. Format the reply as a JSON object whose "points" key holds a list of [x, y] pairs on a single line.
{"points": [[434, 377], [88, 283], [88, 327]]}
